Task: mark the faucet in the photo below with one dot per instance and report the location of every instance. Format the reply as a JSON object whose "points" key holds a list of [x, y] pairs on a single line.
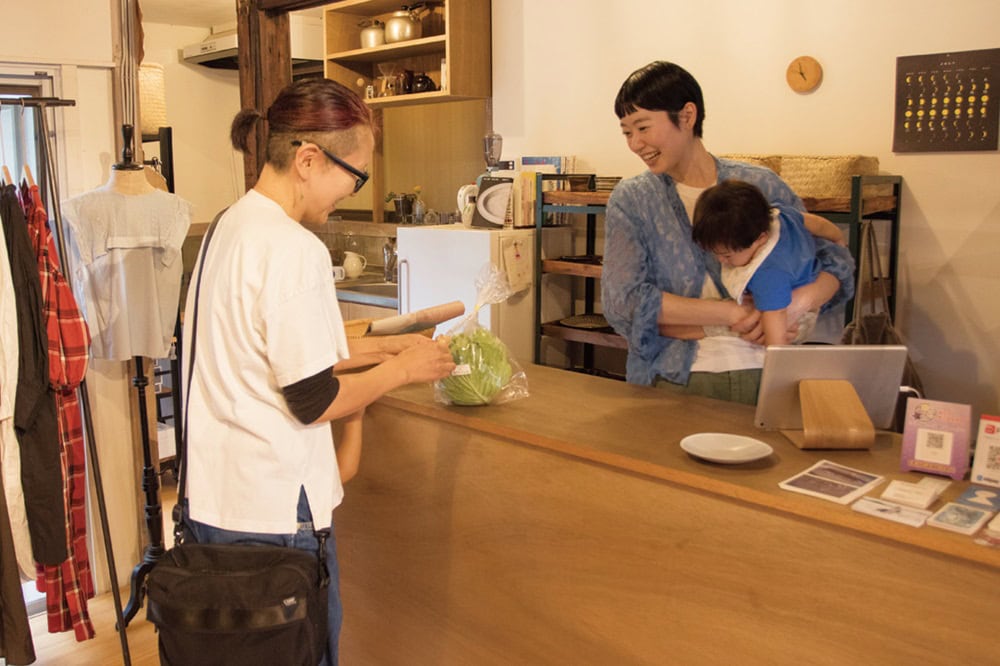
{"points": [[389, 259]]}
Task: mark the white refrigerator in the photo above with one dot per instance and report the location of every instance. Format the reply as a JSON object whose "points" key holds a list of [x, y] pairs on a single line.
{"points": [[441, 263]]}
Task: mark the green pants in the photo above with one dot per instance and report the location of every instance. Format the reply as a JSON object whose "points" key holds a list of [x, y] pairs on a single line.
{"points": [[735, 385]]}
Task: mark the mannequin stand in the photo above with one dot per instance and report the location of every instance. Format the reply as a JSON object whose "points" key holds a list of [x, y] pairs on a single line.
{"points": [[154, 512]]}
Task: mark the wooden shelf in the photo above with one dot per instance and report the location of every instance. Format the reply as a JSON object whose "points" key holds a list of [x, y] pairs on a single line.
{"points": [[869, 206], [407, 49], [571, 198], [600, 338], [572, 268]]}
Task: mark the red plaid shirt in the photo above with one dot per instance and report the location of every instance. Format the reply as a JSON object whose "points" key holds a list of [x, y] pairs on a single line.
{"points": [[66, 586]]}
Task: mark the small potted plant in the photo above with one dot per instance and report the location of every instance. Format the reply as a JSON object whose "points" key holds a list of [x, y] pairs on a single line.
{"points": [[404, 203]]}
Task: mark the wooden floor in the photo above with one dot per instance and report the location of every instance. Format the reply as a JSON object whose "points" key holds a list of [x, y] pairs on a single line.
{"points": [[102, 650], [105, 649]]}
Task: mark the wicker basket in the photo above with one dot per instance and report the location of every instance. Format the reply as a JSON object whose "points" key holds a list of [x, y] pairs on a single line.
{"points": [[772, 162], [818, 176], [825, 176]]}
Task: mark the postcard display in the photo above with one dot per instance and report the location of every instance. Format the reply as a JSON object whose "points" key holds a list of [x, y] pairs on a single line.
{"points": [[947, 102], [936, 437]]}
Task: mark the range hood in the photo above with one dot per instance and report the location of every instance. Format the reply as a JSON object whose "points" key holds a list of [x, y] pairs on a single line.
{"points": [[219, 50]]}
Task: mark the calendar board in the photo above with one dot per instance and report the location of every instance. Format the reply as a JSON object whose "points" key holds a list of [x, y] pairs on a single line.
{"points": [[947, 102]]}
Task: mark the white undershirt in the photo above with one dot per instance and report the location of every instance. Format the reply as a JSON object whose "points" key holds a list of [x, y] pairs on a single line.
{"points": [[718, 353]]}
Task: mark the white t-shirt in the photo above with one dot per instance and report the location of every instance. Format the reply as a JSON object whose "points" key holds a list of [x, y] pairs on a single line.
{"points": [[268, 317], [128, 268], [718, 353]]}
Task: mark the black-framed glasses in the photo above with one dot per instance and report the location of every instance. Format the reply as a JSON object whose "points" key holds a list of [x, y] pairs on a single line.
{"points": [[361, 176]]}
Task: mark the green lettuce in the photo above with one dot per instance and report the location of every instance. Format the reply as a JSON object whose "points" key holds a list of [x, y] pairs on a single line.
{"points": [[489, 369]]}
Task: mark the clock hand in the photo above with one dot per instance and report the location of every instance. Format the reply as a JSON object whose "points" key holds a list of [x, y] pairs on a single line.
{"points": [[801, 73]]}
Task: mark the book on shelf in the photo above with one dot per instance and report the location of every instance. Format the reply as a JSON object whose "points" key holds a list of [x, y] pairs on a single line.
{"points": [[936, 437]]}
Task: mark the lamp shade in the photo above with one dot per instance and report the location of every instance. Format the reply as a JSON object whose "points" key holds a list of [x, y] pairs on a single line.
{"points": [[152, 98]]}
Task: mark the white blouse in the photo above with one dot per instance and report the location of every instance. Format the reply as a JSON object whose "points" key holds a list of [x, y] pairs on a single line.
{"points": [[128, 268]]}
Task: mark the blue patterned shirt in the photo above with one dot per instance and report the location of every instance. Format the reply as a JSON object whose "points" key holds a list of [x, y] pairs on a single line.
{"points": [[648, 250]]}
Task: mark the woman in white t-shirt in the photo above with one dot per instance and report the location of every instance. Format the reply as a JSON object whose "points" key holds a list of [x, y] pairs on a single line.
{"points": [[261, 463]]}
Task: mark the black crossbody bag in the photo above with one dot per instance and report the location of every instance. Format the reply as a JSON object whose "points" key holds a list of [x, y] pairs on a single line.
{"points": [[235, 604]]}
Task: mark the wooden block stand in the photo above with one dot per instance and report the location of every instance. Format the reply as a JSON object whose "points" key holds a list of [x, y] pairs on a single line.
{"points": [[832, 417]]}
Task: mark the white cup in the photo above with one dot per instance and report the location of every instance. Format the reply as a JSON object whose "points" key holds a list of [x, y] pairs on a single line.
{"points": [[354, 264], [338, 273]]}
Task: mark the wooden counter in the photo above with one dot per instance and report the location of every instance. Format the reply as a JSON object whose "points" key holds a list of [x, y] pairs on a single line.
{"points": [[569, 528]]}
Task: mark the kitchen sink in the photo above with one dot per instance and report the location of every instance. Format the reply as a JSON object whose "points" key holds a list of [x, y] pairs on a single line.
{"points": [[387, 289]]}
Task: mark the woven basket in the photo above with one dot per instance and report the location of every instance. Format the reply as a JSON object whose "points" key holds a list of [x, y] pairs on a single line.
{"points": [[825, 176], [772, 162], [152, 98]]}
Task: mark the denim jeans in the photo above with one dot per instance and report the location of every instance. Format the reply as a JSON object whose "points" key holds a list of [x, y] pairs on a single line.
{"points": [[303, 539]]}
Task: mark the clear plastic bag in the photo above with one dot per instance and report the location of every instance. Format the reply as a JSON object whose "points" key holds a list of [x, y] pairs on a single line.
{"points": [[485, 372]]}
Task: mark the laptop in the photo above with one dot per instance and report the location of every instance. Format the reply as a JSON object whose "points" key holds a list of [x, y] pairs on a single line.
{"points": [[875, 371]]}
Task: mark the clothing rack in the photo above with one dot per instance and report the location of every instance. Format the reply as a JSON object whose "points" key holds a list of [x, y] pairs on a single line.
{"points": [[49, 159]]}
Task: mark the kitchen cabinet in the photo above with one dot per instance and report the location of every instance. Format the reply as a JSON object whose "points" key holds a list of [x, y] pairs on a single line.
{"points": [[432, 139], [586, 267], [456, 32], [874, 199]]}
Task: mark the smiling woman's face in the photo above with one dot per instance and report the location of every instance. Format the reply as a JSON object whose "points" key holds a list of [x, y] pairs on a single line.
{"points": [[654, 137]]}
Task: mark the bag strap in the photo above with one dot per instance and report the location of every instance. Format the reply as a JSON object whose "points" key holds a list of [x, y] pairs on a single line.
{"points": [[870, 277], [182, 463]]}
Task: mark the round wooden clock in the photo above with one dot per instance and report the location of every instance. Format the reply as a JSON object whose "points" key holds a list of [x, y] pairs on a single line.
{"points": [[804, 74]]}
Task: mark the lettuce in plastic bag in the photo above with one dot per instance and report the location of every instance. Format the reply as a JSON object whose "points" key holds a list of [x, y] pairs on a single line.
{"points": [[483, 368]]}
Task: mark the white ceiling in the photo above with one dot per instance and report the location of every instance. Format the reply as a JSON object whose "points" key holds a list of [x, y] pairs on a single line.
{"points": [[201, 13]]}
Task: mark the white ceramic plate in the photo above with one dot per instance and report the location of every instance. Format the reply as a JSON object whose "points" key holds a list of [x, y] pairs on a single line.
{"points": [[493, 203], [725, 448]]}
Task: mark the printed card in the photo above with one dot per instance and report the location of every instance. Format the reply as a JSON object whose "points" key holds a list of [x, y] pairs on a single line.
{"points": [[986, 465], [833, 482], [936, 437], [891, 511], [982, 498], [960, 518]]}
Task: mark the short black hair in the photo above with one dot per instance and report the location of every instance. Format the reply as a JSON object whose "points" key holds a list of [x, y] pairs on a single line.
{"points": [[661, 86], [730, 215]]}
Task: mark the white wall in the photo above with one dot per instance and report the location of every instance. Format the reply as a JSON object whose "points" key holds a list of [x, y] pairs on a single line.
{"points": [[557, 65], [201, 103]]}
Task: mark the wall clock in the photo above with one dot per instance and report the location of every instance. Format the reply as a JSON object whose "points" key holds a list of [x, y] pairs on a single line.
{"points": [[804, 74]]}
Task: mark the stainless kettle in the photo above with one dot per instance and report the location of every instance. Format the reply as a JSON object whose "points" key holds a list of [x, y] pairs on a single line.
{"points": [[403, 25]]}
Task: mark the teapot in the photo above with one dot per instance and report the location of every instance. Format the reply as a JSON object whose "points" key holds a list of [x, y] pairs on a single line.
{"points": [[354, 264], [403, 25], [423, 83]]}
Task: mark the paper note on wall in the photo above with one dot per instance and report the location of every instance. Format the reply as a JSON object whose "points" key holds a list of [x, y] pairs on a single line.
{"points": [[516, 264]]}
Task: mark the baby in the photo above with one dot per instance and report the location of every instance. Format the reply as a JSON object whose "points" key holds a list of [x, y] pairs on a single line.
{"points": [[765, 251]]}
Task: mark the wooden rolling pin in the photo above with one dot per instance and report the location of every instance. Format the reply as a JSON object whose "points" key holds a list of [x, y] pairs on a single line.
{"points": [[417, 320]]}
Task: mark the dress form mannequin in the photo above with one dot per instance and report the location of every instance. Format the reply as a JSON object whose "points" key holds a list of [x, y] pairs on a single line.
{"points": [[129, 181]]}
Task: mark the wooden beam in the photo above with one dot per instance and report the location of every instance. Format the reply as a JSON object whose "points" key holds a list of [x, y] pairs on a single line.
{"points": [[290, 5], [265, 68]]}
